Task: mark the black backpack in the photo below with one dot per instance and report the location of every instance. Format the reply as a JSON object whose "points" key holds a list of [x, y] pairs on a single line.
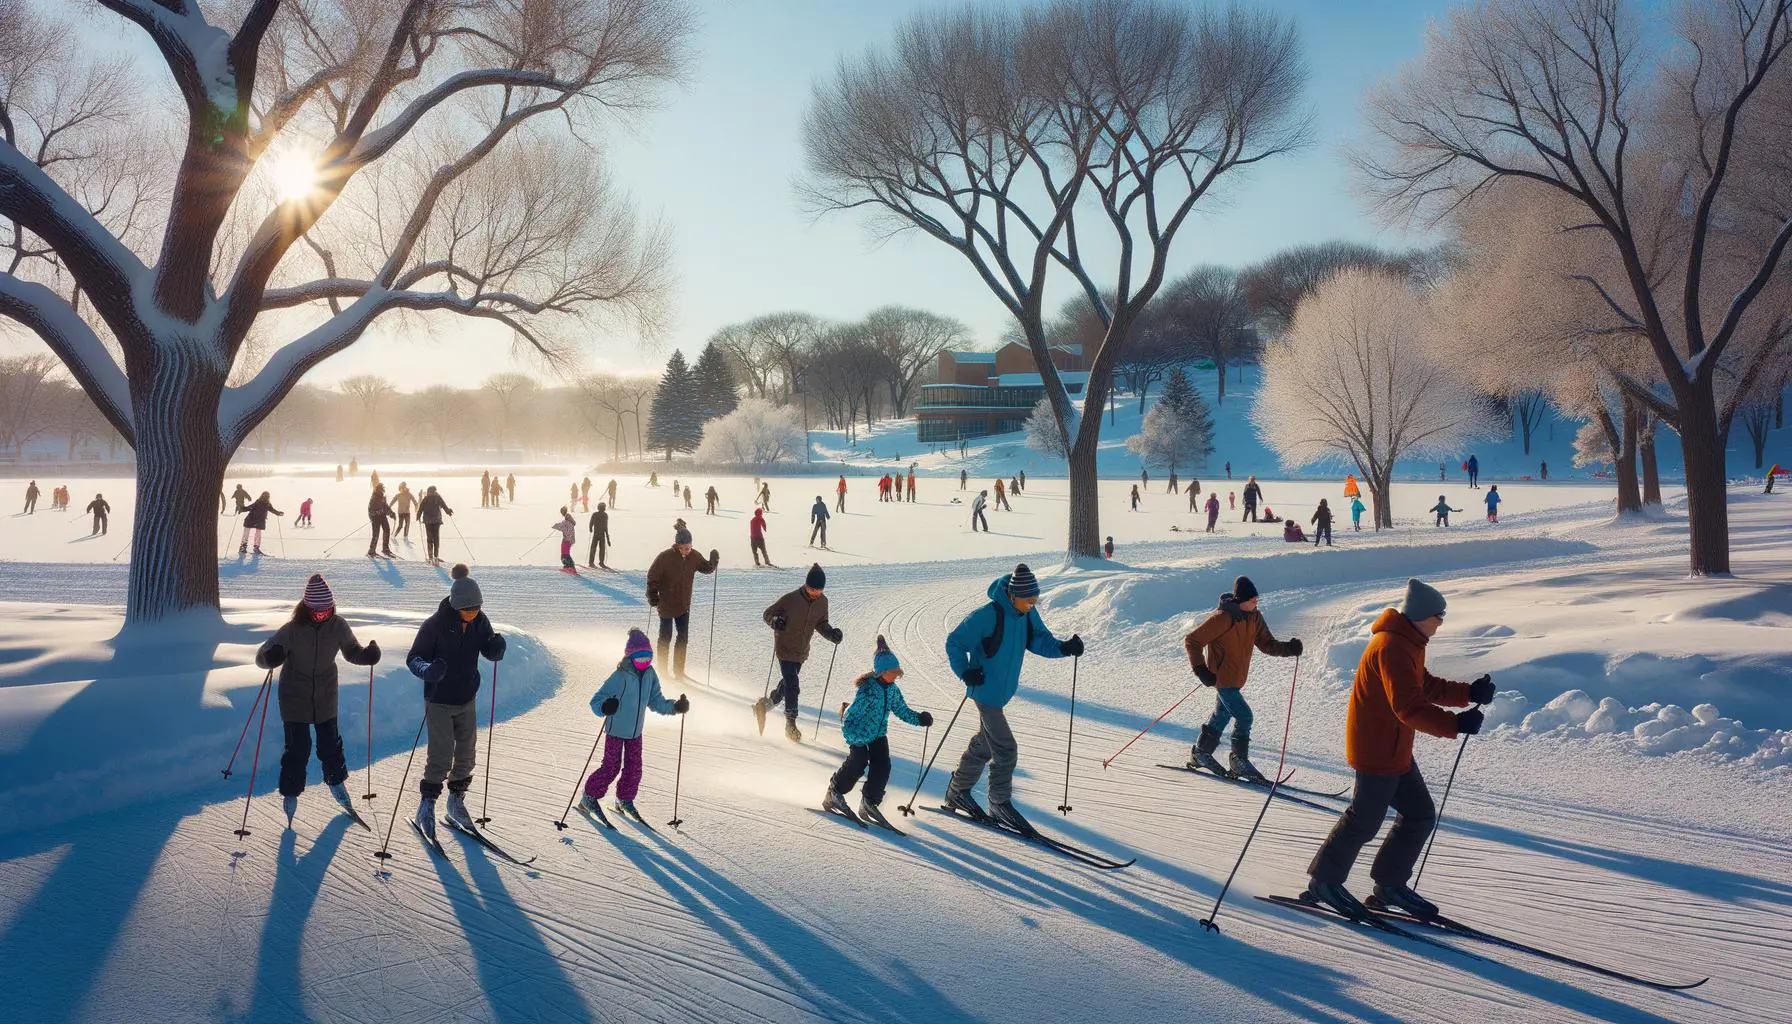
{"points": [[993, 642]]}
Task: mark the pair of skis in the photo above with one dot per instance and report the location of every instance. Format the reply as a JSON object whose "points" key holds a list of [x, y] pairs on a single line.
{"points": [[472, 832], [1293, 794], [1032, 835], [873, 816], [597, 817]]}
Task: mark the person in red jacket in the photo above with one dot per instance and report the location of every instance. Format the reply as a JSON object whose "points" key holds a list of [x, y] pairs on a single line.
{"points": [[756, 535], [1393, 698]]}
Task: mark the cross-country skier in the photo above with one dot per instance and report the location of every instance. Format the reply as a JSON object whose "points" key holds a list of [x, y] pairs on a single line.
{"points": [[625, 698], [794, 619], [756, 537], [242, 499], [818, 515], [1213, 510], [1252, 495], [710, 497], [1442, 511], [100, 509], [600, 537], [255, 520], [610, 493], [305, 650], [1493, 500], [379, 518], [986, 652], [445, 655], [670, 580], [568, 531], [765, 496], [978, 504], [429, 513], [1322, 523], [866, 728], [304, 519], [1393, 698], [31, 493], [840, 491], [1220, 650], [1357, 508]]}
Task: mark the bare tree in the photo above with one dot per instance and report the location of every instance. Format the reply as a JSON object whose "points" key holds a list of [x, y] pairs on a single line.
{"points": [[441, 411], [24, 387], [1029, 140], [331, 163], [370, 392], [1688, 185], [1276, 287], [911, 341], [510, 392], [1208, 311]]}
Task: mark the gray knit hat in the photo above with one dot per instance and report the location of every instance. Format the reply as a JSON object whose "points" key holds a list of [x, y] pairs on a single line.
{"points": [[1422, 601], [465, 594]]}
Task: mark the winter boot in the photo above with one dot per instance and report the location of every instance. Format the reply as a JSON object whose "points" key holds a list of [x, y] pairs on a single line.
{"points": [[339, 790], [869, 812], [592, 805], [244, 549], [1401, 897], [836, 804], [1205, 745], [457, 810], [1006, 816], [791, 732], [289, 804], [426, 817], [1242, 768], [962, 801], [759, 714], [1336, 897], [628, 807]]}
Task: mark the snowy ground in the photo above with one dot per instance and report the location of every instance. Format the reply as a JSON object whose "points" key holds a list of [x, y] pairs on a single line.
{"points": [[1647, 836]]}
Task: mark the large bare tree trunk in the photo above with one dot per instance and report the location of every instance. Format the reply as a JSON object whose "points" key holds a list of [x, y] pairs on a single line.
{"points": [[1645, 449], [1707, 499], [1381, 486], [1630, 496], [1085, 511], [180, 470]]}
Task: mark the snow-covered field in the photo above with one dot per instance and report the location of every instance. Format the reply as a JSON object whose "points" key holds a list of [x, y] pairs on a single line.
{"points": [[1632, 806]]}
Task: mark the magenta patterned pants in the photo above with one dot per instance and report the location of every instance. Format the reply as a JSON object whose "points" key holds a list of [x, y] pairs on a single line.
{"points": [[619, 755]]}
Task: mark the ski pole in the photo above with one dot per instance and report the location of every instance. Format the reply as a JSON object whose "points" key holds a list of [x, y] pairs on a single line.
{"points": [[1070, 738], [370, 794], [1440, 812], [463, 541], [1152, 726], [1275, 784], [768, 676], [678, 775], [535, 545], [382, 853], [709, 664], [491, 737], [909, 808], [344, 540], [819, 708], [280, 532], [229, 536], [121, 551], [253, 764], [259, 694], [585, 772]]}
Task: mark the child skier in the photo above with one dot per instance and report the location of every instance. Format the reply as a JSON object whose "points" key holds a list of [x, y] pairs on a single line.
{"points": [[304, 650], [255, 520], [1493, 503], [567, 529], [1442, 510], [866, 728], [1357, 508], [624, 699], [1220, 650], [445, 655], [304, 514]]}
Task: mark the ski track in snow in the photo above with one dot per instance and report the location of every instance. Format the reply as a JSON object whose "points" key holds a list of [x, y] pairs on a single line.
{"points": [[758, 910]]}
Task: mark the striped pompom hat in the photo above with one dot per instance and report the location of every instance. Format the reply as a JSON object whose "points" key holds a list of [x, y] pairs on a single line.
{"points": [[1023, 583], [317, 594], [637, 644]]}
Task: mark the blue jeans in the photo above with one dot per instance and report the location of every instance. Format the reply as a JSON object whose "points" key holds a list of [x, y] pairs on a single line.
{"points": [[1231, 707]]}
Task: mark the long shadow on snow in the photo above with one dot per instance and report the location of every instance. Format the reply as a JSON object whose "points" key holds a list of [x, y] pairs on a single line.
{"points": [[279, 990]]}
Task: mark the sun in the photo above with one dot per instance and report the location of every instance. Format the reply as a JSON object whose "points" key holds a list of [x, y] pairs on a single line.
{"points": [[293, 175]]}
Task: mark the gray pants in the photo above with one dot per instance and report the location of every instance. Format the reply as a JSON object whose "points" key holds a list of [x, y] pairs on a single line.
{"points": [[453, 738], [993, 745], [1415, 818]]}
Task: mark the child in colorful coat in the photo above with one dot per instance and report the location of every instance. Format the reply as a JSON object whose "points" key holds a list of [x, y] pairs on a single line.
{"points": [[866, 728], [624, 699]]}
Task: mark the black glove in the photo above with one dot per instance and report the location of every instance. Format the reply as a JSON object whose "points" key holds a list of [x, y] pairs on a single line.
{"points": [[925, 718], [973, 677], [715, 557], [436, 672], [1469, 722], [682, 704], [1481, 690], [275, 656], [1205, 674], [495, 647], [371, 653], [653, 599], [1295, 647], [609, 706], [779, 622], [835, 634], [1073, 646]]}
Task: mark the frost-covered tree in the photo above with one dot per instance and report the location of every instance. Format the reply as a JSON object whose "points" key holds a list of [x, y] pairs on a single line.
{"points": [[757, 433], [1591, 446], [1178, 431], [315, 167], [717, 393], [675, 424], [1043, 432], [1361, 379]]}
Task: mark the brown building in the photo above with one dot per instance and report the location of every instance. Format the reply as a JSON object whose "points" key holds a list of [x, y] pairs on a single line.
{"points": [[983, 393]]}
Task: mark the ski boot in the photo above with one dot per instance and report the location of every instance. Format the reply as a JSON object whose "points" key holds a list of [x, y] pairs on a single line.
{"points": [[1241, 766], [258, 551], [244, 549], [791, 732], [869, 812], [1202, 756], [388, 553], [426, 817], [836, 804], [339, 790], [962, 801], [759, 714], [1334, 896], [592, 805], [457, 811], [1006, 816], [289, 804], [628, 807], [1401, 897]]}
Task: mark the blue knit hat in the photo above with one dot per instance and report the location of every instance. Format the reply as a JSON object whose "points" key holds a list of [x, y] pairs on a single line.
{"points": [[885, 659], [1023, 583], [317, 594], [682, 537]]}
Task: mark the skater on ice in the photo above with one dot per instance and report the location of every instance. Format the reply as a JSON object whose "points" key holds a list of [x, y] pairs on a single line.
{"points": [[818, 517]]}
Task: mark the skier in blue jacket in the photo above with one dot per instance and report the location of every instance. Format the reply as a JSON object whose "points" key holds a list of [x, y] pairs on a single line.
{"points": [[986, 651], [1493, 503], [866, 728], [625, 699]]}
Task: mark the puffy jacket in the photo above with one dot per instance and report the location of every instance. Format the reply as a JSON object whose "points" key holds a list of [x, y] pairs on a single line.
{"points": [[460, 644], [868, 718], [1252, 493], [377, 507], [1492, 500], [567, 528], [255, 517], [975, 644], [1357, 508], [634, 692], [818, 512], [1393, 695], [1322, 515], [1226, 640], [402, 502], [671, 578], [430, 509], [803, 619], [308, 685]]}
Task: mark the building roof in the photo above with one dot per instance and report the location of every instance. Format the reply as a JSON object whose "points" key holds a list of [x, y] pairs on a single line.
{"points": [[972, 357], [1075, 350], [1034, 380]]}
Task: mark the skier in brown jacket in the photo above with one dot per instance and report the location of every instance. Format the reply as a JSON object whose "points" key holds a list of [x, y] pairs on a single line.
{"points": [[670, 580], [795, 618], [1219, 650]]}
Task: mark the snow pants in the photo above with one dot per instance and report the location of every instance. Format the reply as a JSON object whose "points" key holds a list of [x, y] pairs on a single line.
{"points": [[623, 756], [99, 524], [432, 539], [404, 525], [566, 552], [31, 502], [840, 502], [453, 740], [759, 550], [820, 529], [1323, 530], [873, 758], [381, 536], [1250, 512], [252, 538], [789, 689], [599, 550], [683, 626], [1415, 816], [298, 752], [993, 745], [1213, 519], [1231, 708], [977, 516]]}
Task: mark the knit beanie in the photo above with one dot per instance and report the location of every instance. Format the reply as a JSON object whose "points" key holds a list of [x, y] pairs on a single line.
{"points": [[885, 659], [1023, 583], [816, 578], [682, 537], [1422, 601], [317, 594], [1243, 589], [465, 594], [637, 644]]}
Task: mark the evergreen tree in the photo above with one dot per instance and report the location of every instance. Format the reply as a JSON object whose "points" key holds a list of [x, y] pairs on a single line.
{"points": [[1178, 431], [675, 423], [717, 394]]}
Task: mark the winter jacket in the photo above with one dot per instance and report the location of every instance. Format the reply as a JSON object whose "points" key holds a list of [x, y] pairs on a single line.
{"points": [[1473, 464], [1492, 500], [1357, 508], [996, 638], [1393, 695], [430, 509], [460, 644], [803, 618], [99, 507], [1225, 642], [567, 529], [635, 692], [377, 508], [671, 578], [979, 503], [868, 719], [255, 517], [403, 501], [818, 512], [600, 525], [756, 528], [1351, 489], [307, 685], [1322, 515], [1252, 493], [1443, 508]]}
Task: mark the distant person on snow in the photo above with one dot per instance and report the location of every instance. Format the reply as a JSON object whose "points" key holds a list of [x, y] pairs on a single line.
{"points": [[585, 495], [840, 491], [1144, 477], [497, 493], [610, 493], [1228, 470], [572, 497], [510, 486], [865, 726], [710, 497], [100, 510], [1022, 480], [255, 520], [632, 690], [756, 537], [242, 499], [1107, 548], [1231, 501], [964, 480], [379, 518], [1771, 473], [429, 513], [568, 534], [485, 489], [1173, 485], [978, 504], [1292, 533], [911, 485], [402, 502], [1213, 510], [653, 479], [818, 516], [1474, 473], [1322, 523], [1002, 497], [1357, 508], [765, 496], [32, 492], [670, 581], [1269, 515], [1442, 510], [305, 650], [1253, 495], [1493, 500], [986, 651], [795, 618], [339, 472], [445, 655], [687, 495], [1220, 651], [354, 466], [600, 537], [1135, 497], [304, 520], [1393, 698], [1194, 498], [1544, 468]]}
